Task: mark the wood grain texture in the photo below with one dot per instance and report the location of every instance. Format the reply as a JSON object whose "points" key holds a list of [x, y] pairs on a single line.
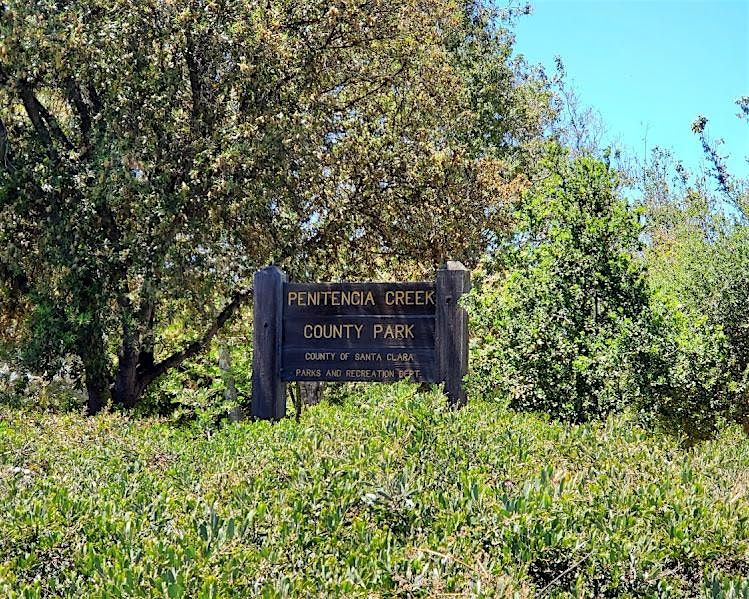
{"points": [[453, 281], [268, 390]]}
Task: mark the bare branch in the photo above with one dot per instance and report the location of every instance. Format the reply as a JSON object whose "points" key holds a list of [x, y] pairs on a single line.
{"points": [[197, 346], [31, 105]]}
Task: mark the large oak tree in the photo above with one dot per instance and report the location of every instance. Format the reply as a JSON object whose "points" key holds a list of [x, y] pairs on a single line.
{"points": [[154, 153]]}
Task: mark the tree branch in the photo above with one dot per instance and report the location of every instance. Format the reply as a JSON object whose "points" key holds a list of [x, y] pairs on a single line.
{"points": [[31, 105], [95, 98], [4, 163], [196, 346], [54, 126], [44, 122], [84, 114]]}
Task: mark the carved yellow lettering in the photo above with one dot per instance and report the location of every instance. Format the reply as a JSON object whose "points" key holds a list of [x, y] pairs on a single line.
{"points": [[307, 372]]}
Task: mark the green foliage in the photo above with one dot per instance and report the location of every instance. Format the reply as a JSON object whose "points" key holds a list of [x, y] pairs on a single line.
{"points": [[388, 494], [562, 319], [698, 265], [58, 394], [693, 393], [704, 339], [154, 154], [197, 389]]}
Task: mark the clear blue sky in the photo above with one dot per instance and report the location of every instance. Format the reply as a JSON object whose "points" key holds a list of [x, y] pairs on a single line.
{"points": [[651, 66]]}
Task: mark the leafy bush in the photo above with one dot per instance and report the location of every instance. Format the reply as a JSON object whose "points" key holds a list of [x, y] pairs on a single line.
{"points": [[702, 287], [389, 494], [196, 391], [58, 393], [200, 389], [562, 320]]}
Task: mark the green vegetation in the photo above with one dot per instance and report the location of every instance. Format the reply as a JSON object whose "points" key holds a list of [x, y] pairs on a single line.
{"points": [[564, 313], [388, 494], [697, 258], [154, 154]]}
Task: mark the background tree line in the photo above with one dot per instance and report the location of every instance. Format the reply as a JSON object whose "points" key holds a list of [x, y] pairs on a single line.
{"points": [[153, 155]]}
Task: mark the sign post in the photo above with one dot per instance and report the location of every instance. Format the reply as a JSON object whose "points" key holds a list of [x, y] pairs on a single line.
{"points": [[452, 330], [372, 332], [268, 390]]}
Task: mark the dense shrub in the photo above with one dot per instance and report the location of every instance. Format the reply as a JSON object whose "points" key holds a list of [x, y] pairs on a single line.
{"points": [[562, 319], [57, 393], [197, 390], [702, 285], [694, 392]]}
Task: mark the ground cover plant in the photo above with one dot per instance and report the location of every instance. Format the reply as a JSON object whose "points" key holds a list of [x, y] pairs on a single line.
{"points": [[387, 494]]}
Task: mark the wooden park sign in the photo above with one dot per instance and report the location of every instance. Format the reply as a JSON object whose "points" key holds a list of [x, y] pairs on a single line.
{"points": [[373, 332]]}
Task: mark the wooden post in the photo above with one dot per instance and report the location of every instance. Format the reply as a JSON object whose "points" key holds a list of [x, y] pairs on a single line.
{"points": [[268, 391], [453, 281]]}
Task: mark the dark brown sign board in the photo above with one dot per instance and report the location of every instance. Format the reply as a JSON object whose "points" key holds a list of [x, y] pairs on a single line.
{"points": [[372, 332]]}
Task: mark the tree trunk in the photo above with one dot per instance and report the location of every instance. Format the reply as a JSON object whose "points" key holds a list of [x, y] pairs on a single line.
{"points": [[97, 396], [136, 368], [230, 387], [96, 369], [127, 385]]}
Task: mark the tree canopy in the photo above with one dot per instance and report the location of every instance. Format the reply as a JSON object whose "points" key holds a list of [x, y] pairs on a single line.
{"points": [[154, 154]]}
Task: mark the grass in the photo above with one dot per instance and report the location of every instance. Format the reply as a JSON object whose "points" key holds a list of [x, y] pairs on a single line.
{"points": [[389, 494]]}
